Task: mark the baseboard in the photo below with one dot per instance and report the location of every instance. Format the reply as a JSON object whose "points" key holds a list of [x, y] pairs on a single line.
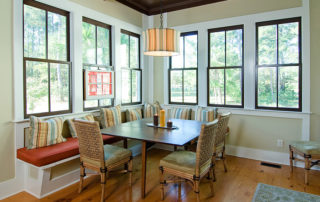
{"points": [[13, 186]]}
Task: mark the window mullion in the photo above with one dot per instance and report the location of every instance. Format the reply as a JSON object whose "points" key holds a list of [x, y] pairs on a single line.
{"points": [[49, 88], [225, 65], [277, 67]]}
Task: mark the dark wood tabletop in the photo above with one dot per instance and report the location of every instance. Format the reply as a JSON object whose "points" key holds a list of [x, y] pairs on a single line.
{"points": [[187, 131]]}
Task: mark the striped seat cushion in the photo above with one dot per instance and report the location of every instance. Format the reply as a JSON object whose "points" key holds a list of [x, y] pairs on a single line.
{"points": [[72, 127], [150, 110], [45, 133], [206, 115], [134, 114], [180, 113], [110, 116]]}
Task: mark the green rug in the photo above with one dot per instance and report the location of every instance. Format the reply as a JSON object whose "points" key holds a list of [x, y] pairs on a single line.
{"points": [[266, 193]]}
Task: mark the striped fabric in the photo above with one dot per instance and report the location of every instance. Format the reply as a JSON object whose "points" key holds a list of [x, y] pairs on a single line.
{"points": [[134, 114], [206, 115], [150, 110], [72, 127], [110, 116], [180, 113], [45, 133]]}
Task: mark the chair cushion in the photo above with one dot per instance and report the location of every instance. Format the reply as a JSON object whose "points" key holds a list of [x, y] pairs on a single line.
{"points": [[110, 116], [134, 114], [180, 113], [45, 132], [150, 110], [183, 161], [50, 154], [206, 115], [72, 127], [307, 147]]}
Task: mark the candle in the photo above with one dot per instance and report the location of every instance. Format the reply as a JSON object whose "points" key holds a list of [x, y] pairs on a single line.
{"points": [[169, 124], [155, 120], [162, 118]]}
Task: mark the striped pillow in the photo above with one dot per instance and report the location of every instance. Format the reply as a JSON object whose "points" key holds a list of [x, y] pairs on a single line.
{"points": [[150, 110], [206, 115], [134, 114], [110, 116], [72, 127], [45, 133], [180, 113]]}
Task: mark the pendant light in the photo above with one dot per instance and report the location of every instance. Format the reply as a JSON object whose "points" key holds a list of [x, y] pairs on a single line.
{"points": [[161, 41]]}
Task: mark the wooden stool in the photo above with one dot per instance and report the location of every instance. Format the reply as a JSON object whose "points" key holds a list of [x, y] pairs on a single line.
{"points": [[309, 150]]}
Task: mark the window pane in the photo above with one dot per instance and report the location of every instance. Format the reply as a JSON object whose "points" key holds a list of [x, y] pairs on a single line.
{"points": [[134, 52], [88, 43], [37, 87], [124, 50], [57, 37], [177, 61], [34, 32], [267, 87], [190, 86], [289, 87], [90, 103], [217, 49], [103, 49], [176, 86], [233, 87], [289, 43], [234, 48], [267, 44], [59, 86], [126, 86], [136, 81], [191, 52], [105, 102], [216, 86]]}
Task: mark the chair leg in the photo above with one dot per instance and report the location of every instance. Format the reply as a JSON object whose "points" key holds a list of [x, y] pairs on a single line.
{"points": [[306, 170], [211, 181], [103, 185], [224, 160], [130, 171], [196, 189], [213, 161], [162, 183], [82, 174], [291, 161]]}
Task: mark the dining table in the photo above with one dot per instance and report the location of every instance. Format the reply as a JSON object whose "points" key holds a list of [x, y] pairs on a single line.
{"points": [[186, 131]]}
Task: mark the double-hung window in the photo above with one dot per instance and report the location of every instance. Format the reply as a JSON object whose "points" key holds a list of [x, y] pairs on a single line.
{"points": [[225, 71], [183, 71], [130, 65], [96, 54], [278, 65], [46, 60]]}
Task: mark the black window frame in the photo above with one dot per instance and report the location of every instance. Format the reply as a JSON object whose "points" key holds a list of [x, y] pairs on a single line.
{"points": [[184, 69], [225, 29], [96, 65], [278, 22], [131, 34], [47, 8]]}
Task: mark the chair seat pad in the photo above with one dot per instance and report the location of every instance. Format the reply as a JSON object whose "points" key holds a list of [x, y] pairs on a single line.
{"points": [[183, 161], [113, 154], [307, 147]]}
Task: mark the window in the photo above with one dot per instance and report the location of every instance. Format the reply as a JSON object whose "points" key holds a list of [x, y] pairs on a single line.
{"points": [[225, 71], [46, 60], [183, 71], [96, 54], [131, 71], [278, 65]]}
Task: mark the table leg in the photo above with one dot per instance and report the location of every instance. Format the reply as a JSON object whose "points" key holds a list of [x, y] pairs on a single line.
{"points": [[125, 145], [144, 168]]}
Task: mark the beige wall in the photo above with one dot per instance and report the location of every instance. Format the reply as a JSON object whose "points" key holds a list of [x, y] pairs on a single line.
{"points": [[114, 9], [315, 69], [6, 90]]}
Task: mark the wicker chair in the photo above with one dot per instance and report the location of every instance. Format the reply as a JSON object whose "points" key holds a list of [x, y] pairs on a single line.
{"points": [[219, 141], [191, 166], [98, 157]]}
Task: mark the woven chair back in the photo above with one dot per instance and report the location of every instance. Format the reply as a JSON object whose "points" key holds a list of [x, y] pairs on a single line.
{"points": [[90, 142], [222, 128], [205, 144]]}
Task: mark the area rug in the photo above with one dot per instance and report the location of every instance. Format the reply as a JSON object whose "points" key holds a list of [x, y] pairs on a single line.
{"points": [[268, 193]]}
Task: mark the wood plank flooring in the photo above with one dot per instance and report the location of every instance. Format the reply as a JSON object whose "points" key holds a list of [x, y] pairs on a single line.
{"points": [[238, 184]]}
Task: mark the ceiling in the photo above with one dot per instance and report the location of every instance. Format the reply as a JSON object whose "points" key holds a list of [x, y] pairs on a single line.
{"points": [[153, 7]]}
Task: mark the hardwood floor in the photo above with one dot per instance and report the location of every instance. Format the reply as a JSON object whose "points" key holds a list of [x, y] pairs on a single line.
{"points": [[238, 184]]}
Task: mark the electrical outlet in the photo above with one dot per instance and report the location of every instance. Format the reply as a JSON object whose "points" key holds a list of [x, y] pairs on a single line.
{"points": [[280, 143]]}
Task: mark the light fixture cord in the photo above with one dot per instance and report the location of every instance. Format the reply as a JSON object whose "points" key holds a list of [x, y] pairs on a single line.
{"points": [[161, 17]]}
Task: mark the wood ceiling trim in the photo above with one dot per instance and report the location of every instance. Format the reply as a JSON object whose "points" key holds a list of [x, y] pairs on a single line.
{"points": [[167, 7]]}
